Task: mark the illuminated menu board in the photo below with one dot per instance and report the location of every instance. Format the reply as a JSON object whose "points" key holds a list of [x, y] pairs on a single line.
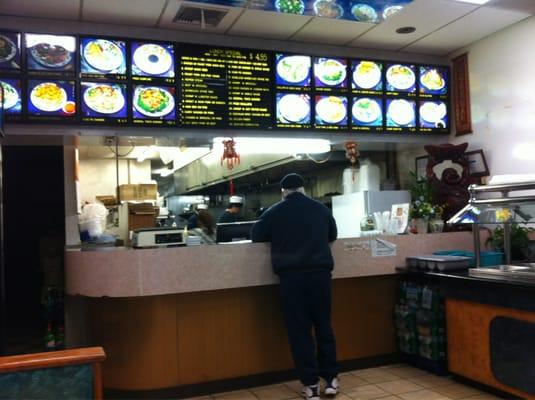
{"points": [[103, 103], [50, 55], [153, 62], [12, 98], [51, 100], [330, 74], [102, 59], [223, 88], [154, 105], [136, 82], [367, 114], [10, 59]]}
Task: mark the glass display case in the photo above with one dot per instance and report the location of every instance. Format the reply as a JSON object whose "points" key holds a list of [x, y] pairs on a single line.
{"points": [[509, 205]]}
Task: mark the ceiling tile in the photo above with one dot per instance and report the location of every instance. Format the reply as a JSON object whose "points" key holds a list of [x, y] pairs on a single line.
{"points": [[471, 28], [272, 25], [328, 31], [514, 5], [57, 9], [425, 15], [127, 12], [172, 8]]}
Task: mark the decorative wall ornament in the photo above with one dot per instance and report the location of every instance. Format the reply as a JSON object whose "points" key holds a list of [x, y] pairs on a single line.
{"points": [[461, 95]]}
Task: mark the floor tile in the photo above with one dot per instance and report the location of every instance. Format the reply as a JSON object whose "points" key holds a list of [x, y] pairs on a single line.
{"points": [[424, 394], [350, 381], [457, 391], [431, 381], [366, 392], [399, 386], [240, 395], [278, 392], [408, 372], [483, 396]]}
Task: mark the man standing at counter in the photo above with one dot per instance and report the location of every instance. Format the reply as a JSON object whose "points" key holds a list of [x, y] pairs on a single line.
{"points": [[231, 214], [300, 230]]}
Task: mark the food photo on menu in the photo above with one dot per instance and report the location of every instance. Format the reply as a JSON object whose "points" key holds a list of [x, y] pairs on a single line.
{"points": [[102, 56], [367, 111], [330, 72], [106, 100], [50, 52], [367, 75], [433, 114], [293, 70], [51, 98], [293, 108], [433, 80], [153, 59], [154, 102], [12, 96], [400, 78], [400, 113], [9, 50], [331, 110]]}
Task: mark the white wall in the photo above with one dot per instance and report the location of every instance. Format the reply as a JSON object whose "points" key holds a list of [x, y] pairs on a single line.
{"points": [[502, 91], [98, 177]]}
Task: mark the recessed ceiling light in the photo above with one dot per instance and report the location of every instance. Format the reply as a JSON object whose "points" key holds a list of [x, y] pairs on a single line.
{"points": [[406, 29], [480, 2]]}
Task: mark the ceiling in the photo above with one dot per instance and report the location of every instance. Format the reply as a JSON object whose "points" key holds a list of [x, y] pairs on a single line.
{"points": [[442, 26]]}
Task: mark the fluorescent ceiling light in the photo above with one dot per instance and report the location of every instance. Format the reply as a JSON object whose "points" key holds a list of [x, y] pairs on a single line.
{"points": [[479, 2], [260, 145]]}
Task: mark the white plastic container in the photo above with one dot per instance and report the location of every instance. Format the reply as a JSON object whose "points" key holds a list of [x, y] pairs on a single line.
{"points": [[350, 180], [93, 227], [369, 176]]}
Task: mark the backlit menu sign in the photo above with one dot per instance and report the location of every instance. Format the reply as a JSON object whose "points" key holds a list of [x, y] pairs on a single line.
{"points": [[102, 59], [10, 51], [50, 55], [222, 88]]}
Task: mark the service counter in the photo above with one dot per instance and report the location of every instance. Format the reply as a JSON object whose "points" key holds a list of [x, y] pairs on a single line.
{"points": [[176, 317]]}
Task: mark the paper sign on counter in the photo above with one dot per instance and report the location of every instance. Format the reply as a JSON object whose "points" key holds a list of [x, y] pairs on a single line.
{"points": [[382, 248]]}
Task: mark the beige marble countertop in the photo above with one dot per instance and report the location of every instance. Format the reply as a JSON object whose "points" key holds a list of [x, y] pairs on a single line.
{"points": [[148, 272]]}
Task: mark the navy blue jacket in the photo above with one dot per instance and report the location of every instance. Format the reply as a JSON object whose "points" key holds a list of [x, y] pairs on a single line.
{"points": [[300, 230]]}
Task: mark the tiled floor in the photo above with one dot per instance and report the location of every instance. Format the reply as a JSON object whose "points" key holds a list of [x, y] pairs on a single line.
{"points": [[393, 382]]}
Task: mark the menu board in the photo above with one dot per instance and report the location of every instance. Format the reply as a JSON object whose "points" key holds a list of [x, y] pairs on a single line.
{"points": [[367, 114], [293, 110], [330, 74], [400, 79], [102, 58], [433, 116], [223, 88], [154, 105], [153, 62], [331, 112], [104, 103], [12, 98], [116, 81], [51, 100], [433, 81], [50, 55], [400, 115], [10, 59], [366, 77], [293, 72]]}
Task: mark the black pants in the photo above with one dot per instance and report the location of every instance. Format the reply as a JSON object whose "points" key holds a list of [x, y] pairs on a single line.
{"points": [[306, 304]]}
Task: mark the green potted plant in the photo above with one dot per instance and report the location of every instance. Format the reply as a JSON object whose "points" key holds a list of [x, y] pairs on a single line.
{"points": [[422, 208], [519, 240]]}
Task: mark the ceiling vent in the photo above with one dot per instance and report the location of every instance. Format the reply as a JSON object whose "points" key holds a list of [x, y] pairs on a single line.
{"points": [[199, 16]]}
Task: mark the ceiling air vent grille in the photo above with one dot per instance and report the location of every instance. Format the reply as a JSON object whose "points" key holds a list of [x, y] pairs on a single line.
{"points": [[203, 17]]}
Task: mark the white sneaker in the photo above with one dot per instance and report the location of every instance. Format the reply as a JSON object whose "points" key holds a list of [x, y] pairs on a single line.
{"points": [[311, 392], [332, 388]]}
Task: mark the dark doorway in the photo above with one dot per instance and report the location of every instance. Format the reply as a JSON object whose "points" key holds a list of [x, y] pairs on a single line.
{"points": [[34, 230]]}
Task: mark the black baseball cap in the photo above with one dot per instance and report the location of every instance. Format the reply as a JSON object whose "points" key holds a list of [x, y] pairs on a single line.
{"points": [[292, 181]]}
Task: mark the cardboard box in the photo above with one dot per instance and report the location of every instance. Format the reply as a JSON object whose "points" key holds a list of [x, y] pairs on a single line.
{"points": [[143, 191]]}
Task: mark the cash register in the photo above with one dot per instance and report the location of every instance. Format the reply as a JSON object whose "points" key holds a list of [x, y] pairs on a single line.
{"points": [[158, 237]]}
